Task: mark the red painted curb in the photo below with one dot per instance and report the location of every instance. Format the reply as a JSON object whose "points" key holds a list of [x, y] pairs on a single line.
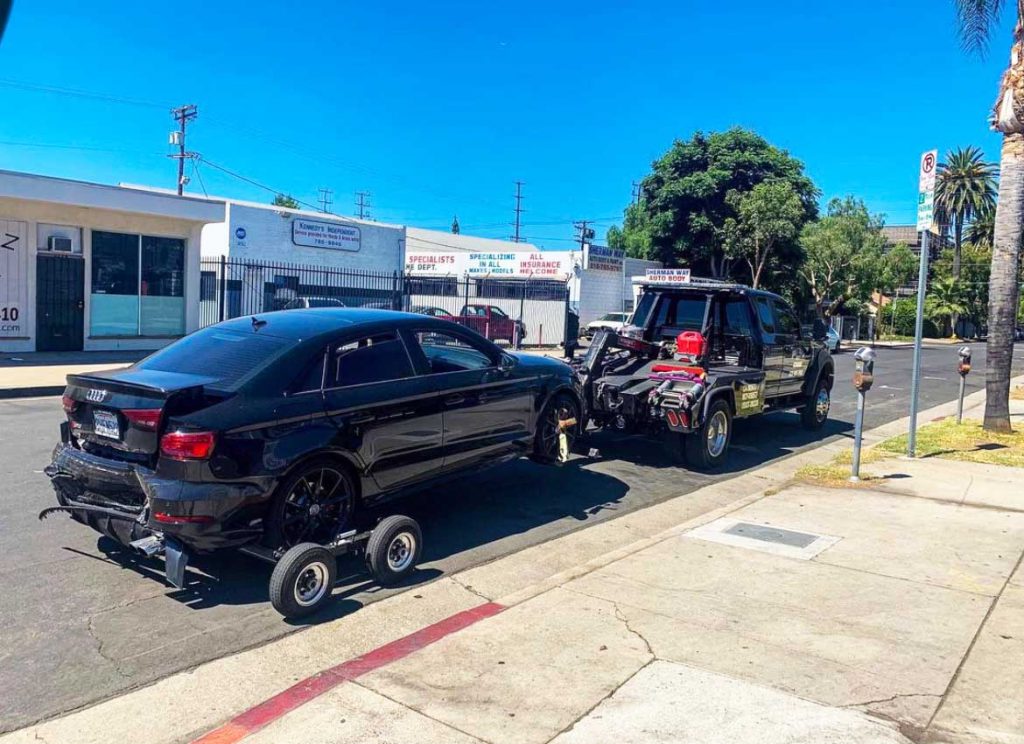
{"points": [[302, 692]]}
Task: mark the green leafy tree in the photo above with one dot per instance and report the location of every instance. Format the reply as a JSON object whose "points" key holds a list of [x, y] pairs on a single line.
{"points": [[977, 20], [898, 269], [769, 214], [285, 200], [844, 253], [693, 190], [965, 187], [944, 302], [976, 263]]}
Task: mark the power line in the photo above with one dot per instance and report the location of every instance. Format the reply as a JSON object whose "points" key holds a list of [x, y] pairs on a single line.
{"points": [[183, 115], [585, 231], [248, 180], [362, 205], [80, 93], [325, 200], [519, 210]]}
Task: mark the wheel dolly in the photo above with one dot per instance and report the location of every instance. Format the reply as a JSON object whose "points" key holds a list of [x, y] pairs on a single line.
{"points": [[304, 574]]}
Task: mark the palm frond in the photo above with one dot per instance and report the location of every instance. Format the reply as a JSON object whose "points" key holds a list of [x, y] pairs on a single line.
{"points": [[976, 20]]}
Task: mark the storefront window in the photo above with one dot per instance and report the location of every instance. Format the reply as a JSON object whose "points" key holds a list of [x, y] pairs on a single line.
{"points": [[162, 287], [138, 285]]}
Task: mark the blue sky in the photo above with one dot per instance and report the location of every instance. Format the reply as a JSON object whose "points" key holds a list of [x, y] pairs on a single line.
{"points": [[438, 108]]}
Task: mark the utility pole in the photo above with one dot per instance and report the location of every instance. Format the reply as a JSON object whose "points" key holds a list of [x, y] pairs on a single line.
{"points": [[325, 200], [516, 238], [363, 204], [635, 197], [586, 232], [183, 115]]}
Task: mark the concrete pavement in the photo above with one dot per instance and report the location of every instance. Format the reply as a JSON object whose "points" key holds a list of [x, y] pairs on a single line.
{"points": [[906, 624], [45, 373]]}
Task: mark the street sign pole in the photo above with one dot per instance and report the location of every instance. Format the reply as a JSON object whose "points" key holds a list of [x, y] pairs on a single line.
{"points": [[925, 209]]}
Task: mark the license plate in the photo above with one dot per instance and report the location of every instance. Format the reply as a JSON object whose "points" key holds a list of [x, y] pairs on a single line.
{"points": [[104, 423]]}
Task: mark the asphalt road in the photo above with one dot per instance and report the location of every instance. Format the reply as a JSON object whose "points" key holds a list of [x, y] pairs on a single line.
{"points": [[83, 620]]}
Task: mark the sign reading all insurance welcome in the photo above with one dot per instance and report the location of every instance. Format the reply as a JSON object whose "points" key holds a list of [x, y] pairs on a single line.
{"points": [[332, 235]]}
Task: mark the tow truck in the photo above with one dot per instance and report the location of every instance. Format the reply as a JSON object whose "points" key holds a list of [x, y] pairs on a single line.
{"points": [[698, 354]]}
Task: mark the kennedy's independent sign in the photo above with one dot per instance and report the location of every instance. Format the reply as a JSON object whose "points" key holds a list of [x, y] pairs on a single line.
{"points": [[331, 235]]}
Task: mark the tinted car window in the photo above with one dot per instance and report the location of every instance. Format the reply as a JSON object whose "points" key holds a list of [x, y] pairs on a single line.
{"points": [[764, 312], [643, 309], [737, 317], [785, 320], [312, 377], [446, 352], [375, 358], [230, 356]]}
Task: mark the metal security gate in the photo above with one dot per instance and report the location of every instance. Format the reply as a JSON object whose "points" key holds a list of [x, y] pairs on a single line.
{"points": [[60, 302]]}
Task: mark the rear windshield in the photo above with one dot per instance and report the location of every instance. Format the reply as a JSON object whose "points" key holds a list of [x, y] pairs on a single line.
{"points": [[229, 356]]}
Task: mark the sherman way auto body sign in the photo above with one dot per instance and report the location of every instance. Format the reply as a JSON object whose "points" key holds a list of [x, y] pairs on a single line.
{"points": [[13, 279], [516, 265], [331, 235]]}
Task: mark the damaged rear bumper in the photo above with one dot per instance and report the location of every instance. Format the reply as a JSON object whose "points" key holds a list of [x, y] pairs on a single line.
{"points": [[129, 503]]}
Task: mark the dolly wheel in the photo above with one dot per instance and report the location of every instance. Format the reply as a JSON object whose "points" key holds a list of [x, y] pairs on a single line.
{"points": [[302, 580], [393, 549]]}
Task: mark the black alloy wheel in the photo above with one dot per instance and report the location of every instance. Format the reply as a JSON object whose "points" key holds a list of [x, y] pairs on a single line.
{"points": [[315, 505], [560, 409]]}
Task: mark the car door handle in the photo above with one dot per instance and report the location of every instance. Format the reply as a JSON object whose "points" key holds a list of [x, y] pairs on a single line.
{"points": [[454, 400]]}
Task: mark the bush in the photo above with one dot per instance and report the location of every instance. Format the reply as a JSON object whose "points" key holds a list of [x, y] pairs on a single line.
{"points": [[905, 311]]}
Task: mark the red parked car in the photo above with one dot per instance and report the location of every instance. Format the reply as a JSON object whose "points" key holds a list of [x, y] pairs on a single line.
{"points": [[491, 322]]}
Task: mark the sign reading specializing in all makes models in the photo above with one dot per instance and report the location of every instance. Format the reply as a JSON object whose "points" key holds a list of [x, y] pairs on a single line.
{"points": [[331, 235], [926, 190], [13, 278]]}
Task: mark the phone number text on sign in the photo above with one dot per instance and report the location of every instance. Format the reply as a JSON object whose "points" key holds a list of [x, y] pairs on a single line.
{"points": [[325, 235]]}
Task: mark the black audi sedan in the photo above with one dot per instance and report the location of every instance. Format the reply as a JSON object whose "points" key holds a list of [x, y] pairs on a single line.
{"points": [[280, 428]]}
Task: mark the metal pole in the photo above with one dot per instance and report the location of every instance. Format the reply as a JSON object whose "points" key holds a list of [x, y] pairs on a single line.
{"points": [[960, 400], [915, 380], [858, 430]]}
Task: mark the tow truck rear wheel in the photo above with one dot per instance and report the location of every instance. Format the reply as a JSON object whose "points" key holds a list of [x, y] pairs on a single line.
{"points": [[708, 447], [815, 411]]}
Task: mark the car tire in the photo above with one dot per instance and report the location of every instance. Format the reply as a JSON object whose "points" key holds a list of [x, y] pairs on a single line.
{"points": [[302, 580], [545, 438], [707, 448], [814, 413], [279, 532], [393, 549]]}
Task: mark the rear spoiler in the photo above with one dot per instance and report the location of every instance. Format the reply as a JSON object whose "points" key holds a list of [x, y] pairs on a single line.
{"points": [[131, 381]]}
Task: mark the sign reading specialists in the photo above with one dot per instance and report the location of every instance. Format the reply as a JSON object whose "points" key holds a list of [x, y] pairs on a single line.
{"points": [[13, 278], [331, 235]]}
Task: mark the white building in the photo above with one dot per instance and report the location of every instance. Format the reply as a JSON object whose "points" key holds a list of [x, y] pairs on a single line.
{"points": [[94, 267]]}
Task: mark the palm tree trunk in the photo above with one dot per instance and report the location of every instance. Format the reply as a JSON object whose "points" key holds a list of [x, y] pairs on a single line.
{"points": [[1007, 118], [1003, 288]]}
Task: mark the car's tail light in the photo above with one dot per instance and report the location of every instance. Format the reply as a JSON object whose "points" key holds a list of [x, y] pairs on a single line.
{"points": [[69, 403], [144, 418], [165, 518], [187, 445]]}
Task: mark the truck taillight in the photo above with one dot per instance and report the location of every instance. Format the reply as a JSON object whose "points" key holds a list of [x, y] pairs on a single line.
{"points": [[187, 445], [69, 403], [147, 419]]}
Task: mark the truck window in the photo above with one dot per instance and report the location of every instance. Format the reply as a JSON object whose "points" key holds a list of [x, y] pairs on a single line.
{"points": [[738, 321], [643, 309], [764, 312], [785, 320]]}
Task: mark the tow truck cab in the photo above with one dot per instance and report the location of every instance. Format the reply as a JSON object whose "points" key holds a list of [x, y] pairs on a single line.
{"points": [[751, 357]]}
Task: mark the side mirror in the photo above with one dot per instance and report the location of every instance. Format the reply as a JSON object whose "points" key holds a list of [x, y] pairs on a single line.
{"points": [[819, 332], [507, 363]]}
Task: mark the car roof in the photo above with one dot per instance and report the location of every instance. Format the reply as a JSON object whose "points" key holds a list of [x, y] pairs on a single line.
{"points": [[705, 288], [315, 322]]}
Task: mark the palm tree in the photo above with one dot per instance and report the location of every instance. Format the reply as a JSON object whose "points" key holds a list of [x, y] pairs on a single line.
{"points": [[977, 19], [980, 231], [945, 302], [965, 187]]}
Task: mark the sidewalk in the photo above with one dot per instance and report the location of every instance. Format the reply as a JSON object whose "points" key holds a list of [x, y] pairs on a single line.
{"points": [[797, 613], [44, 373]]}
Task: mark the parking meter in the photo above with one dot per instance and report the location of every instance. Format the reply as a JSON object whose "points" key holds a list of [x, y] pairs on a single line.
{"points": [[963, 368], [863, 369], [863, 378]]}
